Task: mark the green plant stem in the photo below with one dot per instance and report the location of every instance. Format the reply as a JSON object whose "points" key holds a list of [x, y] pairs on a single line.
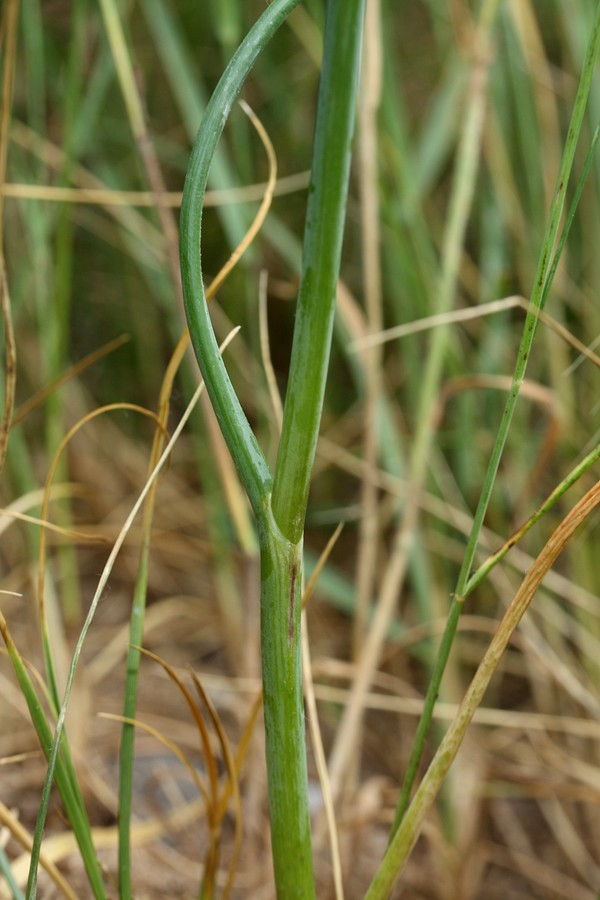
{"points": [[127, 749], [281, 544], [281, 596], [280, 560], [320, 263], [250, 462], [548, 260], [281, 523]]}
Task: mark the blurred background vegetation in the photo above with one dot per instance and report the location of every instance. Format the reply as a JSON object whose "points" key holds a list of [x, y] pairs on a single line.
{"points": [[90, 207]]}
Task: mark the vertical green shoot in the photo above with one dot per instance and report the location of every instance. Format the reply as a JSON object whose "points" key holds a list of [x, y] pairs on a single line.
{"points": [[320, 264], [280, 519]]}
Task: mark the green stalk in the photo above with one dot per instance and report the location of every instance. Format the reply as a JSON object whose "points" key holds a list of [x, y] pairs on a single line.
{"points": [[127, 749], [280, 623], [281, 607], [320, 265], [281, 523]]}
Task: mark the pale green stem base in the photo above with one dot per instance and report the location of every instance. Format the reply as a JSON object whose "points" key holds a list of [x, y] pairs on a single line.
{"points": [[281, 607]]}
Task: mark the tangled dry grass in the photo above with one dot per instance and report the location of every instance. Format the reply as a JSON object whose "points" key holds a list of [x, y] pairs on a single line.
{"points": [[519, 815]]}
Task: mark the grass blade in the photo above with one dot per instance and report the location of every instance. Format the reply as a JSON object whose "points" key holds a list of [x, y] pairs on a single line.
{"points": [[66, 779], [412, 822], [543, 280]]}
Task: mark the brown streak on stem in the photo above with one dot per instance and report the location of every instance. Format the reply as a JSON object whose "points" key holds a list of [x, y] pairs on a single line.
{"points": [[293, 575]]}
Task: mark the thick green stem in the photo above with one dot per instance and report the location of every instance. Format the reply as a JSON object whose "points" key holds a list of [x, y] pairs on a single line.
{"points": [[320, 263], [280, 517], [281, 603]]}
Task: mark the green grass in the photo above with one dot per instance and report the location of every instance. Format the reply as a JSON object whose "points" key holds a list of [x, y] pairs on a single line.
{"points": [[460, 452]]}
